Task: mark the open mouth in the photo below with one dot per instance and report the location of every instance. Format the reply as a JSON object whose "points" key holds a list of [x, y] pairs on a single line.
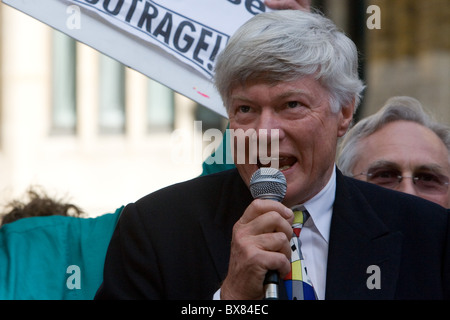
{"points": [[284, 163]]}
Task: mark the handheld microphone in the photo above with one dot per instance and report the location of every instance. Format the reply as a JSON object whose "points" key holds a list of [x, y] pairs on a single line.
{"points": [[269, 183]]}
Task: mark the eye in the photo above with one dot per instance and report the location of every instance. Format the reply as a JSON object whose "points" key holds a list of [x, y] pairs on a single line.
{"points": [[427, 177], [430, 179], [293, 104], [384, 176], [244, 109], [431, 182]]}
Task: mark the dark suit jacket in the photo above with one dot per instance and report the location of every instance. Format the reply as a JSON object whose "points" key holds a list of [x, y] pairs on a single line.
{"points": [[175, 243]]}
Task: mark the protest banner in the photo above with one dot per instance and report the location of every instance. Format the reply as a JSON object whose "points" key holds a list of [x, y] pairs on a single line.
{"points": [[173, 42]]}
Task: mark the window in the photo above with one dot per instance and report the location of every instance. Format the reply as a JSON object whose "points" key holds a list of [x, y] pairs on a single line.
{"points": [[160, 107], [64, 84], [111, 96]]}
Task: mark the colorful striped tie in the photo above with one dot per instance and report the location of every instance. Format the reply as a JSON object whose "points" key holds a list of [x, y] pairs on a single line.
{"points": [[297, 282]]}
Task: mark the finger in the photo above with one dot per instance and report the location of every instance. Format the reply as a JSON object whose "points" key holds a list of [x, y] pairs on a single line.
{"points": [[265, 252], [258, 207], [252, 239], [304, 5], [277, 261], [274, 242], [270, 222], [289, 4]]}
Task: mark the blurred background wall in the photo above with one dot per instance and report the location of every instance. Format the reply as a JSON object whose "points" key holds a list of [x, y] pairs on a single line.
{"points": [[410, 55], [85, 127]]}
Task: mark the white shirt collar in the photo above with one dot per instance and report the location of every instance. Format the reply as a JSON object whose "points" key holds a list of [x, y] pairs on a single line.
{"points": [[320, 207]]}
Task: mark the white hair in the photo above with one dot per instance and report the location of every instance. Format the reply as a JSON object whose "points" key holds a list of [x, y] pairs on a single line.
{"points": [[395, 109], [286, 45]]}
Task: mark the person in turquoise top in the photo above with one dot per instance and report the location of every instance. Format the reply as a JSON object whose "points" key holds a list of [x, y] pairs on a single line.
{"points": [[54, 257]]}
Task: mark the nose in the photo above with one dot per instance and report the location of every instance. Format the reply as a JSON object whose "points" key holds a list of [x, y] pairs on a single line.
{"points": [[270, 125], [407, 186]]}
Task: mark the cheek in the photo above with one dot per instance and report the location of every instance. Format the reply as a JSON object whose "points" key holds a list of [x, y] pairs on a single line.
{"points": [[317, 144], [441, 200]]}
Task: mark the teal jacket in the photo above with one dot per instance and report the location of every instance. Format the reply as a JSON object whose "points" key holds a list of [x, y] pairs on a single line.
{"points": [[54, 257]]}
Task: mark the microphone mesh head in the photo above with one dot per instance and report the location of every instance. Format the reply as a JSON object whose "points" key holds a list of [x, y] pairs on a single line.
{"points": [[268, 183]]}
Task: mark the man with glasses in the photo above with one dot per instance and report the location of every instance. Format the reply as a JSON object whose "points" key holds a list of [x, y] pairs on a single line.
{"points": [[402, 148]]}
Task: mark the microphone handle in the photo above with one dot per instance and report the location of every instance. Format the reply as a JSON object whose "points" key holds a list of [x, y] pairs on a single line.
{"points": [[271, 285], [271, 279]]}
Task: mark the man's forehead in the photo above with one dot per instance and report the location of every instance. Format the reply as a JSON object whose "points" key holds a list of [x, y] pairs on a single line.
{"points": [[305, 85]]}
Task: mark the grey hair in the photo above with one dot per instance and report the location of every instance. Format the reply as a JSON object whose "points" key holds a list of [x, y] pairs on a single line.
{"points": [[395, 109], [285, 45]]}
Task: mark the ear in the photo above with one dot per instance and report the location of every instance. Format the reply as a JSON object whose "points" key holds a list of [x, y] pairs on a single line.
{"points": [[345, 118]]}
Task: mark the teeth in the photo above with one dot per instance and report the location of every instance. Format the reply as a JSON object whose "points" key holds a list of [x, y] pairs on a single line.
{"points": [[269, 159]]}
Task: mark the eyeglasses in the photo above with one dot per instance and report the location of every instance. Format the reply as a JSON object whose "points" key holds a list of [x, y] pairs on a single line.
{"points": [[425, 182]]}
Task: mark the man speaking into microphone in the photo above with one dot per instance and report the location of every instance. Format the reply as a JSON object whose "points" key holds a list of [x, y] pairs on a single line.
{"points": [[207, 238]]}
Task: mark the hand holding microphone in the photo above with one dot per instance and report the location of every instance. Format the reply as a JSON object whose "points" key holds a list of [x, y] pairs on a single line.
{"points": [[260, 240]]}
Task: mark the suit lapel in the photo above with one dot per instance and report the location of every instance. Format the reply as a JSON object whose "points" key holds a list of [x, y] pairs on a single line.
{"points": [[363, 253]]}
